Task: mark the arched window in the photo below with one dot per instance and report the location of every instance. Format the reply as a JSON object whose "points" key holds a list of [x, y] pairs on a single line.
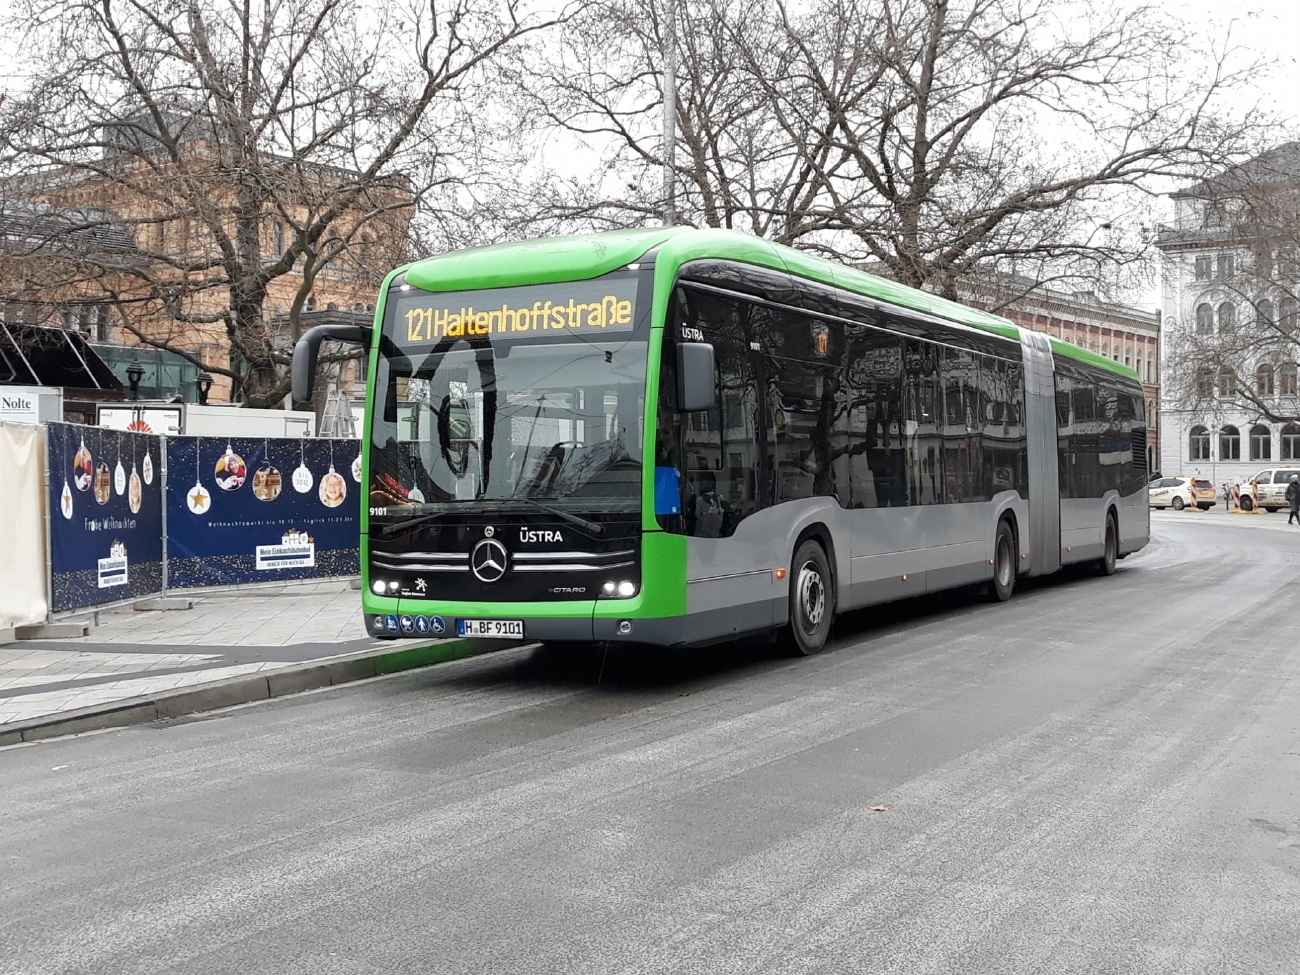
{"points": [[1291, 442], [1287, 314], [1198, 444], [1261, 443], [1151, 369], [1105, 349], [1286, 379], [1265, 311], [1227, 381], [1227, 318], [1204, 319], [1204, 382], [1229, 443], [1264, 379]]}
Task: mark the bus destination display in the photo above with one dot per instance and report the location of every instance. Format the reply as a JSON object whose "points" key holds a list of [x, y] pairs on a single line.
{"points": [[584, 307]]}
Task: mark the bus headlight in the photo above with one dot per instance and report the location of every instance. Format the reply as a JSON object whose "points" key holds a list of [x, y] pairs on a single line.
{"points": [[619, 590], [378, 587], [394, 586]]}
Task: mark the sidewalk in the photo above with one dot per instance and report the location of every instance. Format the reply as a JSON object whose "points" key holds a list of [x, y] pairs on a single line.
{"points": [[1218, 515], [135, 654]]}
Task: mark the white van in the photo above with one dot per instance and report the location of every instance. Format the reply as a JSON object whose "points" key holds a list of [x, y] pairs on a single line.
{"points": [[1270, 487]]}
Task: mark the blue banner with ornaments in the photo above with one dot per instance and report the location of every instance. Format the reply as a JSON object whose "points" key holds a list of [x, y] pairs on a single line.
{"points": [[243, 510], [105, 499]]}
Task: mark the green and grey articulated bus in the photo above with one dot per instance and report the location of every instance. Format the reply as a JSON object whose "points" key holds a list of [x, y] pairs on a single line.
{"points": [[679, 437]]}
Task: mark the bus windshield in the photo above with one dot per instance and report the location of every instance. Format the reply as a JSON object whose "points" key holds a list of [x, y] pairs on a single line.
{"points": [[552, 415]]}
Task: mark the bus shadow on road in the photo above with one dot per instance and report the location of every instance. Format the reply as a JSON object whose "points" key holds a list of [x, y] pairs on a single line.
{"points": [[634, 669]]}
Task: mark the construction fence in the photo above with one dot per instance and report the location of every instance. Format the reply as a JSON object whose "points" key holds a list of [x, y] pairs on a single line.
{"points": [[118, 515]]}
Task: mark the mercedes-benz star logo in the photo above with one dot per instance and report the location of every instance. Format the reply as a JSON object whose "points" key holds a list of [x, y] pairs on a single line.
{"points": [[488, 560]]}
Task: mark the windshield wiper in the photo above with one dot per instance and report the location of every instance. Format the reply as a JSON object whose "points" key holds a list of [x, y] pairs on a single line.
{"points": [[590, 527], [400, 527]]}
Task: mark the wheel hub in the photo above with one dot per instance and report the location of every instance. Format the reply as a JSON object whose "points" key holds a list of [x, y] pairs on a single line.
{"points": [[812, 596]]}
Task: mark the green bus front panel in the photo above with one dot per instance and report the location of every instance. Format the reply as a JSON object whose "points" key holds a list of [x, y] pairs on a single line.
{"points": [[653, 612]]}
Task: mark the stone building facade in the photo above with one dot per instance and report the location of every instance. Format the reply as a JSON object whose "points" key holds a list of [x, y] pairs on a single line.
{"points": [[159, 274], [1230, 274]]}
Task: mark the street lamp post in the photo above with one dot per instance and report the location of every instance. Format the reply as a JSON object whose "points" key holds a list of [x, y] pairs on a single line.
{"points": [[670, 111]]}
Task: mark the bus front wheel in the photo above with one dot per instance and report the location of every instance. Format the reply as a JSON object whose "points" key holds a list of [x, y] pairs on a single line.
{"points": [[812, 599]]}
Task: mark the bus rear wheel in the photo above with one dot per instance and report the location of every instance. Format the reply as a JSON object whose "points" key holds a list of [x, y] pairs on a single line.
{"points": [[1106, 564], [1004, 564], [812, 600]]}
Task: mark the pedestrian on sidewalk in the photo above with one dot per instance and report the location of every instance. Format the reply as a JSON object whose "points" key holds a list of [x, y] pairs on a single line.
{"points": [[1293, 499]]}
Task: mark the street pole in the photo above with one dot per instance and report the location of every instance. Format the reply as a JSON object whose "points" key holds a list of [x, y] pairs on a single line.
{"points": [[670, 110]]}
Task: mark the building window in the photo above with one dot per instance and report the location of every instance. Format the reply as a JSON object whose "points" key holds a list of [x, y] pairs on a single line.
{"points": [[278, 234], [1286, 378], [1261, 443], [1287, 314], [1227, 318], [1204, 382], [1128, 358], [1204, 319], [1226, 265], [1227, 381], [1291, 442], [1265, 311], [1203, 267], [1151, 370], [1229, 443], [1198, 444], [1264, 379]]}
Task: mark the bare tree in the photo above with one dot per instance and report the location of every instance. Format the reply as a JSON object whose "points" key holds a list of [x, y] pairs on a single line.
{"points": [[933, 138], [261, 152]]}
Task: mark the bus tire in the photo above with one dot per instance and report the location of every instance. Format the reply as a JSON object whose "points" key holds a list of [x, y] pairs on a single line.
{"points": [[1004, 564], [1106, 564], [1178, 504], [812, 600]]}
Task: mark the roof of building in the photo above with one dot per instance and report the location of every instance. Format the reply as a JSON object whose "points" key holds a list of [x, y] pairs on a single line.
{"points": [[568, 258], [32, 225], [1277, 166]]}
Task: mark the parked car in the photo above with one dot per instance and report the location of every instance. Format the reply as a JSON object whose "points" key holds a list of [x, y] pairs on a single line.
{"points": [[1269, 486], [1181, 492]]}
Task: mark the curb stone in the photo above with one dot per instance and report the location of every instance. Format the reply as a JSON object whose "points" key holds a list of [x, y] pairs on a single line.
{"points": [[309, 675]]}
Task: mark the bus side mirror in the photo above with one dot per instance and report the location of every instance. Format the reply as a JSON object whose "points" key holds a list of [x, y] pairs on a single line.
{"points": [[696, 383], [303, 369]]}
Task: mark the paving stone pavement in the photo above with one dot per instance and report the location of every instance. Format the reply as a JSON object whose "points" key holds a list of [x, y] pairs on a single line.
{"points": [[130, 653]]}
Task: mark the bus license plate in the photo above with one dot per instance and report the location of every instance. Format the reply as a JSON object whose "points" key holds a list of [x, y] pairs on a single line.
{"points": [[492, 629]]}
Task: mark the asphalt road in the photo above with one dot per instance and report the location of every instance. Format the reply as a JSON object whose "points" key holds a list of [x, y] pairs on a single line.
{"points": [[1101, 776]]}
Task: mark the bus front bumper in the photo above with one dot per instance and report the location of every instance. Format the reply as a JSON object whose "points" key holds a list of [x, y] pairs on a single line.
{"points": [[417, 622]]}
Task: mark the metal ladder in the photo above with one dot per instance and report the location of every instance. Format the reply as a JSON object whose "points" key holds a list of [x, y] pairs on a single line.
{"points": [[336, 419]]}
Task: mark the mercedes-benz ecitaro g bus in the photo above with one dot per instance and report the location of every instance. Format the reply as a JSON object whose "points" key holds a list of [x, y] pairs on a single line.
{"points": [[678, 436]]}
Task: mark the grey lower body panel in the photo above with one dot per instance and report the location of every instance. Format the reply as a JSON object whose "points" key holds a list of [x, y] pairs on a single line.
{"points": [[706, 626]]}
